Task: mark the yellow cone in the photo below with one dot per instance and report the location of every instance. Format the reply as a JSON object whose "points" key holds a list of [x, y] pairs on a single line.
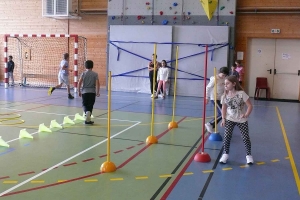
{"points": [[67, 120], [209, 7], [2, 143], [54, 124], [43, 128], [78, 117], [25, 134]]}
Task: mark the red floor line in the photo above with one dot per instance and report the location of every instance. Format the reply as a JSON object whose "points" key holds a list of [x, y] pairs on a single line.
{"points": [[103, 156], [88, 160], [4, 177], [173, 184], [130, 147], [87, 176], [66, 165], [118, 151], [141, 143], [26, 173]]}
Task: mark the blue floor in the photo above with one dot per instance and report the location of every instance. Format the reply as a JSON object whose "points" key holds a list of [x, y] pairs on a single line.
{"points": [[274, 132]]}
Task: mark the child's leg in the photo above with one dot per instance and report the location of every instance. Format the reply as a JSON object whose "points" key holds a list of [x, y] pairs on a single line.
{"points": [[245, 136], [229, 125], [164, 88], [158, 87]]}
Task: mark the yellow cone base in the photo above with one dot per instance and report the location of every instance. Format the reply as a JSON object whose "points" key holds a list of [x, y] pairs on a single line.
{"points": [[2, 143], [78, 117], [107, 167], [54, 124], [25, 134], [43, 128], [173, 125], [67, 120], [151, 140]]}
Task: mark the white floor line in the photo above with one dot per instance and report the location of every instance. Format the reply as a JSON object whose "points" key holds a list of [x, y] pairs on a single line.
{"points": [[70, 158]]}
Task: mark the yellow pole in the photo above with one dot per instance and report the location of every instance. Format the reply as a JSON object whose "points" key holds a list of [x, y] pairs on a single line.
{"points": [[215, 94], [175, 83], [108, 117], [153, 89]]}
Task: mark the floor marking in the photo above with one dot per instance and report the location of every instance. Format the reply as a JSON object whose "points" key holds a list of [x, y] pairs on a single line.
{"points": [[290, 154], [165, 176], [4, 177], [10, 182], [91, 180], [59, 181], [287, 158], [116, 179], [37, 181], [275, 160], [87, 160], [103, 156], [73, 163], [26, 173], [118, 151], [260, 163], [227, 168], [188, 173], [7, 151], [130, 147], [68, 159], [208, 171], [244, 166], [141, 177]]}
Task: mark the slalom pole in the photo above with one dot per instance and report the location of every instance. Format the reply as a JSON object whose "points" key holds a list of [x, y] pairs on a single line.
{"points": [[108, 166], [152, 139], [174, 124], [216, 135], [203, 157]]}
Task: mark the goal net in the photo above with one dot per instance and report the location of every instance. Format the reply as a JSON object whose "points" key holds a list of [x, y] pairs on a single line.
{"points": [[37, 58]]}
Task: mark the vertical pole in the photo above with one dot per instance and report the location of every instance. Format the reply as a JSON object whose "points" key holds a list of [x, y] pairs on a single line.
{"points": [[215, 94], [204, 104], [153, 89], [75, 63], [108, 116], [175, 83], [5, 62]]}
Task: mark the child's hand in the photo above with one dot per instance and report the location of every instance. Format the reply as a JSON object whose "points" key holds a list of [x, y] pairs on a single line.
{"points": [[98, 94], [79, 93], [223, 122], [206, 101]]}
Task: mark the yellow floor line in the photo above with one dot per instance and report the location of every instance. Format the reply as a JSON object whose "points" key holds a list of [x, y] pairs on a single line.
{"points": [[208, 171], [141, 177], [275, 160], [59, 181], [290, 154], [188, 173], [226, 169], [260, 163], [244, 166], [165, 176], [116, 179], [37, 181], [10, 182]]}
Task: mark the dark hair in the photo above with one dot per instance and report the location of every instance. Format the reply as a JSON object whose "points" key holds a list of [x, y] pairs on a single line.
{"points": [[233, 79], [234, 65], [238, 62], [66, 55], [164, 61], [155, 55], [224, 70], [89, 64], [10, 57]]}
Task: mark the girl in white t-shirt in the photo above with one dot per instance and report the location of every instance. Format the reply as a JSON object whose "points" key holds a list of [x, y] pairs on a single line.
{"points": [[162, 78], [234, 114]]}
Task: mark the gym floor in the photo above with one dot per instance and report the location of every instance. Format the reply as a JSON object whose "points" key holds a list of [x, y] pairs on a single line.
{"points": [[65, 163]]}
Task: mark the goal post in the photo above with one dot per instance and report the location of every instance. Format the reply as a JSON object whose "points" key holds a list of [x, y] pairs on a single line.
{"points": [[37, 58]]}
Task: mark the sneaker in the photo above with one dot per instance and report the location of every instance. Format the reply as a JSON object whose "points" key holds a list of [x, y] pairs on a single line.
{"points": [[88, 116], [90, 122], [209, 127], [224, 158], [70, 96], [249, 159], [151, 95], [51, 89]]}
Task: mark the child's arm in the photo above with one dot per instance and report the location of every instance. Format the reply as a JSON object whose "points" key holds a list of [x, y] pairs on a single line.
{"points": [[97, 88], [79, 86], [249, 109], [224, 110]]}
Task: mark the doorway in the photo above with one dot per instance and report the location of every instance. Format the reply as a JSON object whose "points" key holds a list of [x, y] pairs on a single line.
{"points": [[279, 61]]}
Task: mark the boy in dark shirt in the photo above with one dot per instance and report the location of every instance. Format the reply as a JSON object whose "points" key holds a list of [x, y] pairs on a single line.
{"points": [[10, 69]]}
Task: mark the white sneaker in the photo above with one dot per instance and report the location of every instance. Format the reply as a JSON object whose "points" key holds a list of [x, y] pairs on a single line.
{"points": [[209, 127], [88, 116], [151, 95], [249, 160], [224, 158]]}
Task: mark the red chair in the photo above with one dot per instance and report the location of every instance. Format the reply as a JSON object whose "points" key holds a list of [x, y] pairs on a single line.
{"points": [[262, 84]]}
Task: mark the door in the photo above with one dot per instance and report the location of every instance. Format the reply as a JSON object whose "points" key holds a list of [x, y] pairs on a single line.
{"points": [[278, 60]]}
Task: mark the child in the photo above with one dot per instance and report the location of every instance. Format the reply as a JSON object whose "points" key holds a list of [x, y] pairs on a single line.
{"points": [[234, 72], [63, 76], [233, 113], [162, 78], [10, 70], [151, 74], [210, 94], [240, 70], [90, 89]]}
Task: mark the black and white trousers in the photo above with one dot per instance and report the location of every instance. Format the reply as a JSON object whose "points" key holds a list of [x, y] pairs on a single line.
{"points": [[229, 125]]}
